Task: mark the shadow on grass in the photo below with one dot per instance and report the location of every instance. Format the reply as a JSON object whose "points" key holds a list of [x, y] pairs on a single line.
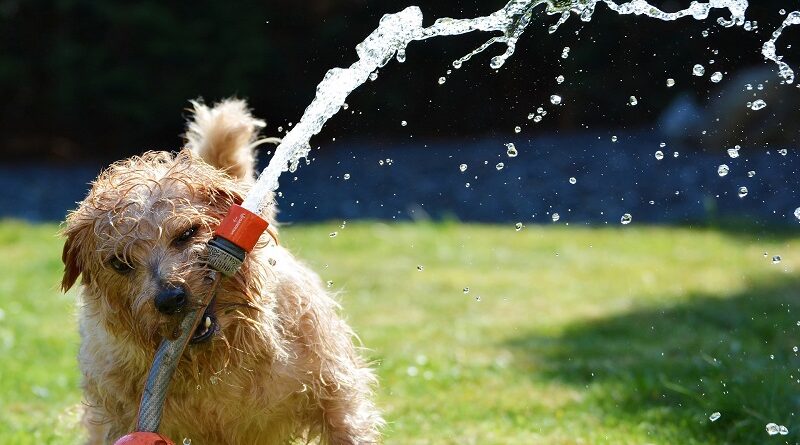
{"points": [[667, 369]]}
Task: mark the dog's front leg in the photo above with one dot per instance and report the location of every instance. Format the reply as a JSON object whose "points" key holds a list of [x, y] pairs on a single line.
{"points": [[351, 419], [105, 419]]}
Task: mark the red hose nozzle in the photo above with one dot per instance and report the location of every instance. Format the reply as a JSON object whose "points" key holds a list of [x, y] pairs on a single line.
{"points": [[143, 438], [236, 235]]}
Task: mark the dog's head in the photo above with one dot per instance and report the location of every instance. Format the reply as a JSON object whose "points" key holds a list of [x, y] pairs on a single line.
{"points": [[138, 241]]}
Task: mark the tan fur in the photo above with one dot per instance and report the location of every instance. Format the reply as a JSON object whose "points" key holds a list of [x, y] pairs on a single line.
{"points": [[221, 135], [282, 367]]}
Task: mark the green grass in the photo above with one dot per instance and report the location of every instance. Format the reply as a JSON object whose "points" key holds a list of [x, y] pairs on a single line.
{"points": [[626, 335]]}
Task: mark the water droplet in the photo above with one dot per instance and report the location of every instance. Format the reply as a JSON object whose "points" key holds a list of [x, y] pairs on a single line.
{"points": [[478, 298], [403, 123], [555, 99], [420, 267], [714, 416], [782, 11], [675, 154], [345, 106], [537, 118], [772, 429], [776, 259], [373, 75], [742, 191], [496, 62], [401, 55], [795, 349], [783, 152], [511, 150], [758, 104], [518, 226], [556, 217], [751, 173], [457, 64], [499, 166], [272, 261], [659, 155], [572, 180], [462, 167], [466, 185], [517, 129], [716, 77], [565, 52], [662, 144], [613, 139], [346, 176], [783, 430], [723, 170], [670, 82], [333, 234], [465, 290], [442, 80], [704, 33], [698, 70], [329, 283], [734, 152], [797, 213], [187, 441], [632, 101], [626, 219], [560, 79]]}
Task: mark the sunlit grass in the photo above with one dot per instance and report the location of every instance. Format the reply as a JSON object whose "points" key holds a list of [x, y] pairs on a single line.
{"points": [[567, 335]]}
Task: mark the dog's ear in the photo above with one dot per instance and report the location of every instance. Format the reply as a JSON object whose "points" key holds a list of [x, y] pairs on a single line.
{"points": [[72, 266], [71, 255], [224, 136]]}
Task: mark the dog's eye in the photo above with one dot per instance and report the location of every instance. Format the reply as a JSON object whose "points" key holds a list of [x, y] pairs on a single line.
{"points": [[119, 265], [185, 236]]}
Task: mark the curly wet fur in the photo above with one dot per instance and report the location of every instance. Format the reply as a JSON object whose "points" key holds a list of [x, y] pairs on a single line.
{"points": [[282, 366]]}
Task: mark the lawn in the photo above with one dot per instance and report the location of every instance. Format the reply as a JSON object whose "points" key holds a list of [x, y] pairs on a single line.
{"points": [[565, 335]]}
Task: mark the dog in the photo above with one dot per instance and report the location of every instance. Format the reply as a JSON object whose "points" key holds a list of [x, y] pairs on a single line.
{"points": [[272, 362]]}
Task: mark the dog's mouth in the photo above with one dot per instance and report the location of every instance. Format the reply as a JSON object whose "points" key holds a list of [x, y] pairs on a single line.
{"points": [[208, 324]]}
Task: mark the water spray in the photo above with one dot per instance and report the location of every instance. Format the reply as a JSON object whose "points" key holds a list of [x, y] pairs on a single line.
{"points": [[243, 226]]}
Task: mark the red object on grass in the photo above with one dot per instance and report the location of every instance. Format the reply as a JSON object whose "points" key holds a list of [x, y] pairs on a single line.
{"points": [[242, 227], [142, 438]]}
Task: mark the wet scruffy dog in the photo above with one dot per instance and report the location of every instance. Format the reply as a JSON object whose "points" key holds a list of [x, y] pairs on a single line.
{"points": [[271, 363]]}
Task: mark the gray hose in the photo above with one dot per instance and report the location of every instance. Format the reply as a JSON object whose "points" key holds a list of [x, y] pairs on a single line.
{"points": [[165, 362]]}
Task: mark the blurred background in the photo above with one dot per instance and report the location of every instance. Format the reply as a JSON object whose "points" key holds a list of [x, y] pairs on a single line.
{"points": [[629, 277], [85, 83]]}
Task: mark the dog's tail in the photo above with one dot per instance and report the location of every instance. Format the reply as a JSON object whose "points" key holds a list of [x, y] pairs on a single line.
{"points": [[225, 136]]}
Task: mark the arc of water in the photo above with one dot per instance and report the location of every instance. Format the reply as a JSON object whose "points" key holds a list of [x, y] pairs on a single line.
{"points": [[396, 31], [769, 50]]}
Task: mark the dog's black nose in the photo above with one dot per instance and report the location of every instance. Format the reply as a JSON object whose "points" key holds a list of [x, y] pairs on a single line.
{"points": [[170, 299]]}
